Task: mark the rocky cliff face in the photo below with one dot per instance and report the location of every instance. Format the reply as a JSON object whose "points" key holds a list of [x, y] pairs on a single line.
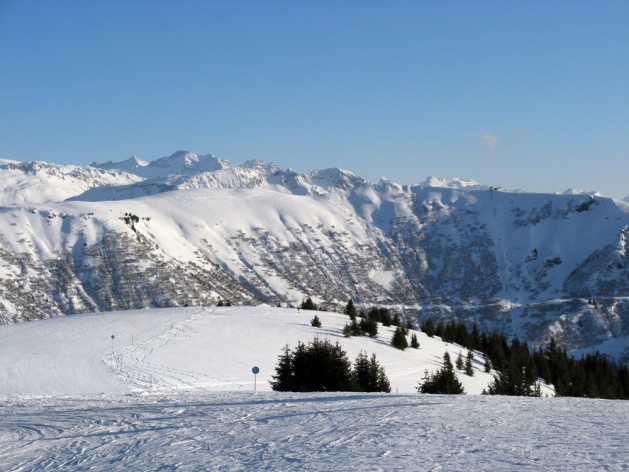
{"points": [[193, 230]]}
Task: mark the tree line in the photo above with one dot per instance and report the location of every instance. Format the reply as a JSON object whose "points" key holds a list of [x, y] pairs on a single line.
{"points": [[519, 367]]}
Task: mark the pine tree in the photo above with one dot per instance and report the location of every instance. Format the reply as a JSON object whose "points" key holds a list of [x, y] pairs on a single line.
{"points": [[443, 381], [414, 341], [368, 327], [469, 366], [347, 330], [399, 339], [429, 328], [459, 361], [350, 310], [369, 375], [321, 366], [315, 322], [308, 304], [284, 378], [487, 364]]}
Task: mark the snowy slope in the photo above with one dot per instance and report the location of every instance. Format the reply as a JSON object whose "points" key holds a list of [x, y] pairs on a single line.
{"points": [[535, 265], [39, 182], [317, 432], [191, 349], [173, 390]]}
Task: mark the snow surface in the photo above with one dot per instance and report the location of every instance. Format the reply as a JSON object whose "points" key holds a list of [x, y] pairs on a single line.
{"points": [[174, 391], [319, 431], [191, 349]]}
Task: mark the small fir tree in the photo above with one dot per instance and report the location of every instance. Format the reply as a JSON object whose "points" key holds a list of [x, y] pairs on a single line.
{"points": [[429, 328], [368, 327], [369, 375], [414, 341], [350, 310], [315, 322], [443, 381], [284, 378], [308, 304], [399, 339], [347, 330], [459, 361], [487, 364], [469, 366]]}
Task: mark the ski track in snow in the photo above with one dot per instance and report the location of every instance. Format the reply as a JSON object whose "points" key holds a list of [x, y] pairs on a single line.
{"points": [[319, 431], [185, 406]]}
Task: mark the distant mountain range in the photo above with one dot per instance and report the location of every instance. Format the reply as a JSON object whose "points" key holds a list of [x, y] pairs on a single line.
{"points": [[191, 229]]}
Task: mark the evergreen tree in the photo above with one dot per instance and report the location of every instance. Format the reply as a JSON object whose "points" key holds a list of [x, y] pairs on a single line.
{"points": [[350, 309], [320, 366], [352, 329], [429, 328], [414, 341], [459, 361], [487, 364], [369, 375], [347, 330], [443, 381], [284, 378], [368, 327], [381, 315], [308, 304], [315, 322], [399, 339], [469, 366], [355, 328], [323, 366], [512, 381]]}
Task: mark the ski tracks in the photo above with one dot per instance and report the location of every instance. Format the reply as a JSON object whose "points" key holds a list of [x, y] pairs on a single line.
{"points": [[130, 365]]}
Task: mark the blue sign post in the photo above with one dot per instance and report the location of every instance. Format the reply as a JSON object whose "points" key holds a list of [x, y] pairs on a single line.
{"points": [[255, 371]]}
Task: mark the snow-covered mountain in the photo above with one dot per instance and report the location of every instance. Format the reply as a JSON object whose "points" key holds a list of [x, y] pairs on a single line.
{"points": [[191, 229], [39, 182]]}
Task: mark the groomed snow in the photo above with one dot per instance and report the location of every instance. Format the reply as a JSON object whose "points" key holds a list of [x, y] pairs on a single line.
{"points": [[319, 432], [173, 390], [192, 349]]}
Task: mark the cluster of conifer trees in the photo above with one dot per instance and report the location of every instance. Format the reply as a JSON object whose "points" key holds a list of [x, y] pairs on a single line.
{"points": [[520, 367], [323, 366]]}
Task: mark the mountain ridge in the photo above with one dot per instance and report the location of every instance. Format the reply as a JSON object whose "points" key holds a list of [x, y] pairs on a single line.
{"points": [[532, 265]]}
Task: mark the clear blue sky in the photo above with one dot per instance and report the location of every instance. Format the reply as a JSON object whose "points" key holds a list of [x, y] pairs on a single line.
{"points": [[531, 95]]}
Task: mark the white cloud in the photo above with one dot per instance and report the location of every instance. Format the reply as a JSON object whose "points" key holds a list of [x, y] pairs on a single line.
{"points": [[490, 140]]}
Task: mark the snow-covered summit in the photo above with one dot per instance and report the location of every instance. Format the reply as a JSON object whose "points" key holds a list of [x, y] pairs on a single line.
{"points": [[38, 182], [130, 165], [574, 191], [455, 183]]}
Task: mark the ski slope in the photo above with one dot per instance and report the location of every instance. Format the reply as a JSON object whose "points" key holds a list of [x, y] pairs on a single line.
{"points": [[318, 432], [191, 349], [173, 390]]}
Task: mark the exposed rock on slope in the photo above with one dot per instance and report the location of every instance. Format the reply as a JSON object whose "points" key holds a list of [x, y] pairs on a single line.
{"points": [[535, 265]]}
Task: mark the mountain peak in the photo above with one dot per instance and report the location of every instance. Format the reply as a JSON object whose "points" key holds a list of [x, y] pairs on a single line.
{"points": [[185, 162], [454, 183], [128, 165]]}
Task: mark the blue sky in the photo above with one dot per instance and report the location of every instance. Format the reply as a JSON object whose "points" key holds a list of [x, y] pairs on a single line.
{"points": [[531, 95]]}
